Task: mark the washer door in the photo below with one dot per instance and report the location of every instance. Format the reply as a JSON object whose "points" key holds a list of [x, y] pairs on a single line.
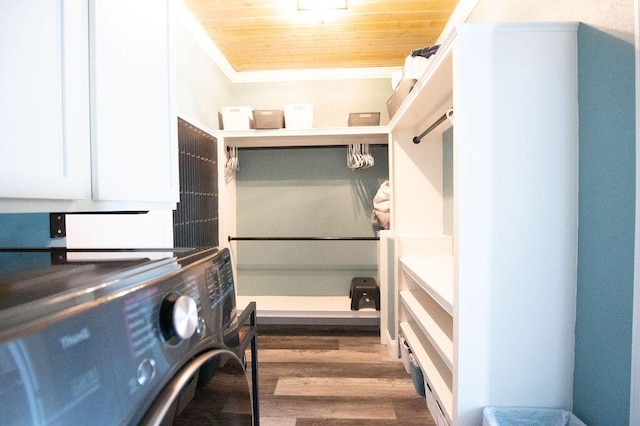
{"points": [[211, 389]]}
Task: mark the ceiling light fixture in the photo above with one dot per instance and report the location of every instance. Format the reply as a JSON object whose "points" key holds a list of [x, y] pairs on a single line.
{"points": [[321, 5]]}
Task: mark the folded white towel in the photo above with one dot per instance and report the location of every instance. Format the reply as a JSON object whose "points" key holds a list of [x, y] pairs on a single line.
{"points": [[382, 199]]}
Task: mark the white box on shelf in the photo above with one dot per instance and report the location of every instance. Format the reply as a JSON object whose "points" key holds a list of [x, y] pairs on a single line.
{"points": [[237, 118], [298, 116]]}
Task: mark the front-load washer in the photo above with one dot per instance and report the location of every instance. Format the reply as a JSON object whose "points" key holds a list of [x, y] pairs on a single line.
{"points": [[124, 337]]}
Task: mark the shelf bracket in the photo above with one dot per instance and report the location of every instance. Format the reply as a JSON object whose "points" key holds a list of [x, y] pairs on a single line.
{"points": [[57, 225]]}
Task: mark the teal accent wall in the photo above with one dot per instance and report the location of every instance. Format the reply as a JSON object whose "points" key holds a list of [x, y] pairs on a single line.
{"points": [[447, 182], [25, 230], [606, 81], [391, 289], [305, 192], [19, 230]]}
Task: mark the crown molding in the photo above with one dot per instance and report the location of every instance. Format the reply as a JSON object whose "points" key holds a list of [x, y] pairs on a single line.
{"points": [[200, 36], [314, 74]]}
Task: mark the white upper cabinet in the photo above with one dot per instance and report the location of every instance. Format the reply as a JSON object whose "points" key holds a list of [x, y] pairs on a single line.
{"points": [[134, 130], [86, 108], [44, 99]]}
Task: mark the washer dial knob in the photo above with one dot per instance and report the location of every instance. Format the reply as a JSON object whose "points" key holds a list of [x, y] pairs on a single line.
{"points": [[178, 316]]}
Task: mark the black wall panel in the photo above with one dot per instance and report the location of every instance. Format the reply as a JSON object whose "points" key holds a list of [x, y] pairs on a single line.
{"points": [[195, 220]]}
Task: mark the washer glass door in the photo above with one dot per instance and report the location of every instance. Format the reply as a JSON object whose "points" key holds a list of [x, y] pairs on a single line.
{"points": [[212, 389]]}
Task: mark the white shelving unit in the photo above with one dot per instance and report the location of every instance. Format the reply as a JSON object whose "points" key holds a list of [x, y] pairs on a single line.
{"points": [[489, 318], [436, 327], [317, 309], [434, 275], [438, 375]]}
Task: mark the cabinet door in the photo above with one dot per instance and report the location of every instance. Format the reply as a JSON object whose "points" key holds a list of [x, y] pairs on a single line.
{"points": [[44, 99], [134, 128]]}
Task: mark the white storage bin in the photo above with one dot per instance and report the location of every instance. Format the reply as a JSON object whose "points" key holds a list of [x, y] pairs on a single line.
{"points": [[298, 116], [237, 118]]}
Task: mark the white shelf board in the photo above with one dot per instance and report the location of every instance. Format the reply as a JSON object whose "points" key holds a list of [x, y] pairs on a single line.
{"points": [[434, 275], [378, 135], [439, 378], [429, 323], [305, 306], [432, 94]]}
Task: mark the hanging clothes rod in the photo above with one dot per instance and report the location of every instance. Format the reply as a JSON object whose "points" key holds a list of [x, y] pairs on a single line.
{"points": [[344, 145], [439, 121], [303, 238]]}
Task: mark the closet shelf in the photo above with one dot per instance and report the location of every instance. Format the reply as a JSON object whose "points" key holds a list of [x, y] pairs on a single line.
{"points": [[434, 275], [436, 325], [438, 376], [432, 94], [306, 307], [373, 135]]}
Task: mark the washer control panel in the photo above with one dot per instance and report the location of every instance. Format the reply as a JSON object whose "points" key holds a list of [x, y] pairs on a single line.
{"points": [[221, 291], [178, 317]]}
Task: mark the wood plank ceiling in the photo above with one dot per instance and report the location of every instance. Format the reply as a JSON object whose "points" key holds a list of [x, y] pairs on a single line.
{"points": [[260, 35]]}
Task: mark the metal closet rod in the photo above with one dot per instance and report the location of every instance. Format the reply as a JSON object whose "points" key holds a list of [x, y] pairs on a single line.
{"points": [[303, 238], [438, 122], [344, 145]]}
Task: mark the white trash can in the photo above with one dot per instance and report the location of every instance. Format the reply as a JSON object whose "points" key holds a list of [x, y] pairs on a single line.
{"points": [[528, 416]]}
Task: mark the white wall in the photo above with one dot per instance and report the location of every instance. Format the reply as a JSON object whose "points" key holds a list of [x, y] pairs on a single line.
{"points": [[333, 100], [202, 87], [154, 229], [615, 17]]}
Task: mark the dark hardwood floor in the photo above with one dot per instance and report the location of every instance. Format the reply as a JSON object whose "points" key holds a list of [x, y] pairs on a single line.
{"points": [[333, 376]]}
